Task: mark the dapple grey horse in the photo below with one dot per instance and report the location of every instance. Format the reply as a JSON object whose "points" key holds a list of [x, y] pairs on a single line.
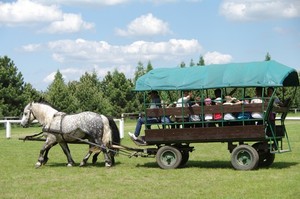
{"points": [[61, 128]]}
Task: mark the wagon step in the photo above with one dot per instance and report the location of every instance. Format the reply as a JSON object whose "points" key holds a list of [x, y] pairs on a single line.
{"points": [[280, 151], [140, 141]]}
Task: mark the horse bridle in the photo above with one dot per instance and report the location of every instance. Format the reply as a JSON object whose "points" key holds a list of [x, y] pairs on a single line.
{"points": [[30, 112]]}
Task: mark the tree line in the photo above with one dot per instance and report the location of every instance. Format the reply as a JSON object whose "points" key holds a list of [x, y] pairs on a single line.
{"points": [[113, 95]]}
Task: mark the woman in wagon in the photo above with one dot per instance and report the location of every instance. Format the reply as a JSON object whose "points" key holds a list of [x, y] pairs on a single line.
{"points": [[244, 115], [257, 99], [183, 101], [230, 101], [196, 118], [155, 103], [208, 116]]}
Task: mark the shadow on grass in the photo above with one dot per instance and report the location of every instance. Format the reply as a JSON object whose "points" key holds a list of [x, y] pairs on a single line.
{"points": [[199, 164], [220, 165], [88, 165], [190, 164], [282, 165]]}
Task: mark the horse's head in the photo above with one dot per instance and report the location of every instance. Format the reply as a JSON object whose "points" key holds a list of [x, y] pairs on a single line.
{"points": [[28, 116]]}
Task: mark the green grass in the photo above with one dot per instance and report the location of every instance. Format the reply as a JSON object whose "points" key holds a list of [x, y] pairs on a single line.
{"points": [[208, 173], [293, 114]]}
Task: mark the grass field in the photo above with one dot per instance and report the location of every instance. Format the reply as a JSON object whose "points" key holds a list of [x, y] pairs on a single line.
{"points": [[208, 173]]}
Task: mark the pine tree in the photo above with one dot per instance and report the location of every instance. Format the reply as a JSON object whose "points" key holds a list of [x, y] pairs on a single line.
{"points": [[201, 61], [192, 63], [268, 57], [118, 90], [11, 88], [149, 66], [89, 95], [182, 64], [140, 70], [57, 94]]}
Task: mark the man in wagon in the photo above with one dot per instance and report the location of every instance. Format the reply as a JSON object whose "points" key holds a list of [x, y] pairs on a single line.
{"points": [[155, 103]]}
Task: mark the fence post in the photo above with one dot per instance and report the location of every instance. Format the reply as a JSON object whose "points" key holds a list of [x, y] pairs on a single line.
{"points": [[8, 130], [122, 127]]}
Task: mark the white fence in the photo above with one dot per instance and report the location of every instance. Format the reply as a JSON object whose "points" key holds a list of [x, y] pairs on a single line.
{"points": [[121, 125], [8, 123]]}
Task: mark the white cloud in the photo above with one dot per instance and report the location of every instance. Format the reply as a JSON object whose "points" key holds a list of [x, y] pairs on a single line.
{"points": [[49, 78], [86, 2], [102, 56], [111, 2], [216, 58], [69, 24], [31, 47], [28, 12], [145, 25], [103, 52], [68, 74], [73, 73], [252, 10], [159, 2]]}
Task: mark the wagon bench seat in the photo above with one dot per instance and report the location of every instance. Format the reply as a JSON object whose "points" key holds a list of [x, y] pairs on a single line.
{"points": [[158, 112]]}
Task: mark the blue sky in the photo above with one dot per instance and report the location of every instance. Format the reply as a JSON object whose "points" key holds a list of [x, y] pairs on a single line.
{"points": [[78, 36]]}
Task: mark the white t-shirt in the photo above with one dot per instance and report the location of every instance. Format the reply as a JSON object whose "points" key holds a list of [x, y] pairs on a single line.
{"points": [[195, 118], [256, 115], [183, 101]]}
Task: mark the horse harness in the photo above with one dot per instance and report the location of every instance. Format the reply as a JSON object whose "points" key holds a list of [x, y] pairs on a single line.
{"points": [[58, 114]]}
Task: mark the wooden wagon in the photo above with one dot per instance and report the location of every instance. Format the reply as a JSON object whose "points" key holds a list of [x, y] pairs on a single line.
{"points": [[252, 142]]}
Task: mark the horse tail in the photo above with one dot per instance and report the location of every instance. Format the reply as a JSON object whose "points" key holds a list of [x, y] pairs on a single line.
{"points": [[107, 136], [115, 131]]}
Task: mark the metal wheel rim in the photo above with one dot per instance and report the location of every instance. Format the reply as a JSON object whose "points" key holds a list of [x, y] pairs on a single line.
{"points": [[168, 158], [244, 158]]}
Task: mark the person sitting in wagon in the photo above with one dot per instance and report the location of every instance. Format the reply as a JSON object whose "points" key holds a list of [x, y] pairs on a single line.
{"points": [[230, 101], [244, 115], [208, 116], [197, 117], [257, 99], [217, 102], [183, 102], [155, 103]]}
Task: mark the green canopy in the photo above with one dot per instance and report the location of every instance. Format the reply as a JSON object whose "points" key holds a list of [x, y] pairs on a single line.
{"points": [[252, 74]]}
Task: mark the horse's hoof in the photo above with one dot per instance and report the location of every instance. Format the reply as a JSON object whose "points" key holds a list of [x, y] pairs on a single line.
{"points": [[69, 165], [107, 165], [38, 165], [82, 164]]}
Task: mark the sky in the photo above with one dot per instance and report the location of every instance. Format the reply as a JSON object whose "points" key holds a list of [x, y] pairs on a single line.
{"points": [[79, 36]]}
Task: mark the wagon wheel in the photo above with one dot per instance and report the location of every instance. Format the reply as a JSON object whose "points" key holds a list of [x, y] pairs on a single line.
{"points": [[266, 158], [185, 157], [168, 157], [244, 157]]}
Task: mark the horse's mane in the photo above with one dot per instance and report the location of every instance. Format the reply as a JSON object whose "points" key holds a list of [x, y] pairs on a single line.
{"points": [[44, 102]]}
